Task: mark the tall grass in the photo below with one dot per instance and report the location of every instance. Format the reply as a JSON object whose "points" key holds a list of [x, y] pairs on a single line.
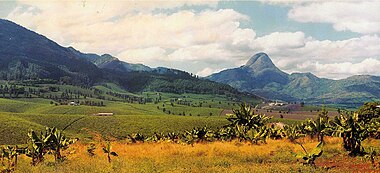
{"points": [[275, 156]]}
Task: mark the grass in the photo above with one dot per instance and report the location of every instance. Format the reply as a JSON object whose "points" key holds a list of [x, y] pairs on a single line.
{"points": [[15, 126], [20, 115], [275, 156], [13, 130], [7, 105], [286, 121]]}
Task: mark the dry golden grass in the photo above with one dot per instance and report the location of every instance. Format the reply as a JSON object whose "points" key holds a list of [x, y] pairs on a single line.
{"points": [[274, 156]]}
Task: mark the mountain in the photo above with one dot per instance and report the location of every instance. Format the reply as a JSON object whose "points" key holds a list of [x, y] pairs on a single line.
{"points": [[107, 61], [260, 76], [26, 55]]}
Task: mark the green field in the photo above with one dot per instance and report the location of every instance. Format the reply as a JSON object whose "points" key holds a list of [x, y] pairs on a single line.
{"points": [[167, 112], [157, 112]]}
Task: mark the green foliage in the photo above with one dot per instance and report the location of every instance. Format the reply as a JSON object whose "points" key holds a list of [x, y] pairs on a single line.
{"points": [[246, 117], [136, 137], [276, 132], [197, 135], [369, 111], [156, 137], [9, 157], [356, 127], [320, 127], [248, 125], [371, 154], [293, 132], [50, 141], [308, 158], [107, 149], [352, 130], [91, 149], [374, 128], [256, 135]]}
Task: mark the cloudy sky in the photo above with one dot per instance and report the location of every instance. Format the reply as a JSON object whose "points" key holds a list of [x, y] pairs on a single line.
{"points": [[332, 39]]}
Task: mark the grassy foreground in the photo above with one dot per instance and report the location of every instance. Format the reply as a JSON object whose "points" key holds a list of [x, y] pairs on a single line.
{"points": [[275, 156]]}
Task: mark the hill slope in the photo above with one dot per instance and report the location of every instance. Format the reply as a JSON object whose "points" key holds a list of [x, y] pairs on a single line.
{"points": [[25, 54]]}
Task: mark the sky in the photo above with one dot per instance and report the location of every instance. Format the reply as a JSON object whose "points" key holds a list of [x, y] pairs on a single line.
{"points": [[332, 39]]}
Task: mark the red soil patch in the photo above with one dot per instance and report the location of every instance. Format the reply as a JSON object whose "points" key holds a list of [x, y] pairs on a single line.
{"points": [[347, 164]]}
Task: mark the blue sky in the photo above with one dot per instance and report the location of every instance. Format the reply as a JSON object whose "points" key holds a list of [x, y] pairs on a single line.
{"points": [[333, 39], [267, 18]]}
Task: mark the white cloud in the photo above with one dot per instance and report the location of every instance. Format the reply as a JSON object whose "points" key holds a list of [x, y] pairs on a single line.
{"points": [[280, 41], [128, 29], [356, 16], [145, 55], [208, 71], [203, 42], [293, 52], [368, 66]]}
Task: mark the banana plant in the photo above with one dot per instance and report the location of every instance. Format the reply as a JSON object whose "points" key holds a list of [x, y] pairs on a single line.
{"points": [[91, 149], [136, 137], [320, 127], [308, 158], [353, 131], [172, 137], [49, 141], [156, 137], [225, 134], [245, 116], [293, 132], [58, 142], [369, 111], [371, 155], [36, 148], [374, 128], [276, 132], [257, 135], [197, 135], [9, 157], [107, 150]]}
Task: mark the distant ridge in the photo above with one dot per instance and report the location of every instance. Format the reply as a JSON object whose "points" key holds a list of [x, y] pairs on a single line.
{"points": [[260, 76]]}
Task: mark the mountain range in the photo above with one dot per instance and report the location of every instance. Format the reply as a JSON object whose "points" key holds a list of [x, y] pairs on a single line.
{"points": [[260, 76], [26, 55]]}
